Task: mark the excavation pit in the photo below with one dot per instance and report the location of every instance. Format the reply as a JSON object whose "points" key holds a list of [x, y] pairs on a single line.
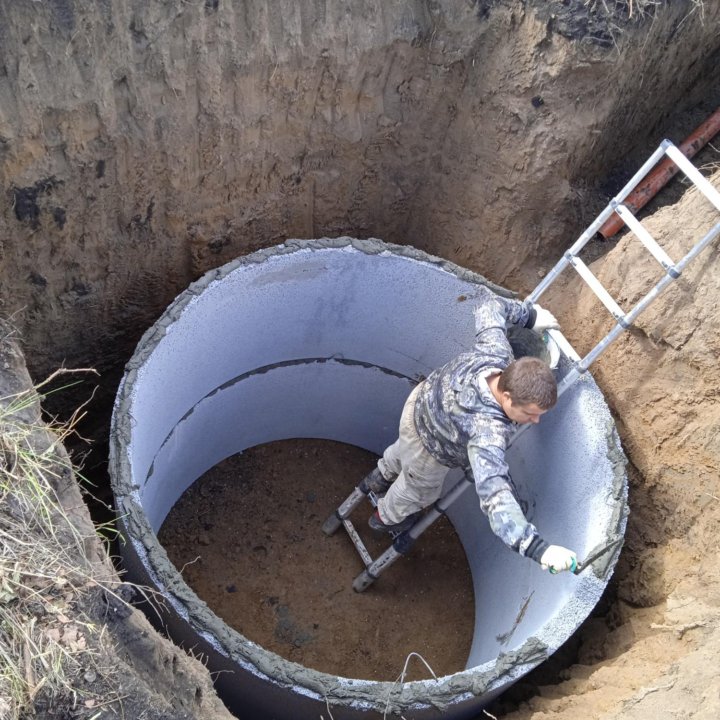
{"points": [[325, 339]]}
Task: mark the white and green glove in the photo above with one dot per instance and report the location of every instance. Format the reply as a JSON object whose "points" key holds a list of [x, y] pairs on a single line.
{"points": [[557, 559]]}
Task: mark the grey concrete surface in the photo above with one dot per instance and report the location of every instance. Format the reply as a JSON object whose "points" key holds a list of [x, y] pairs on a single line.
{"points": [[325, 339]]}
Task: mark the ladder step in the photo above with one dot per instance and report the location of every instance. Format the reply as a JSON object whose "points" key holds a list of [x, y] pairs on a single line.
{"points": [[358, 543], [644, 236], [694, 175], [595, 285]]}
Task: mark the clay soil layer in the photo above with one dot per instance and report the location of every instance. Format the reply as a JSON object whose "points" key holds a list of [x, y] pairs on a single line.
{"points": [[247, 538]]}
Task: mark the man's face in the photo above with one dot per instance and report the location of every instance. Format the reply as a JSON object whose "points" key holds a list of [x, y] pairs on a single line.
{"points": [[521, 414]]}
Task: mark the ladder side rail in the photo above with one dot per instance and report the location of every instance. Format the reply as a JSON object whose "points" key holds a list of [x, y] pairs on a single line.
{"points": [[440, 506], [590, 358], [570, 379], [652, 295], [578, 369], [403, 543], [699, 247], [348, 505], [590, 232], [564, 344], [564, 261], [694, 175], [373, 571], [667, 279], [645, 168]]}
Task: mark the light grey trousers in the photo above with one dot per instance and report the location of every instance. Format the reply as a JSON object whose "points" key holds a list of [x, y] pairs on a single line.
{"points": [[419, 475]]}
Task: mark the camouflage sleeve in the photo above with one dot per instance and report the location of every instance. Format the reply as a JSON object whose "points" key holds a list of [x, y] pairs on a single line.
{"points": [[498, 502], [492, 317]]}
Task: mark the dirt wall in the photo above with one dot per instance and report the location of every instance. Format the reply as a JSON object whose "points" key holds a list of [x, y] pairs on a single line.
{"points": [[85, 647], [142, 144]]}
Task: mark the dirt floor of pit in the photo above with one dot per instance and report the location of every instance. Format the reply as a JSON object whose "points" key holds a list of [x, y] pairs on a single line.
{"points": [[247, 539]]}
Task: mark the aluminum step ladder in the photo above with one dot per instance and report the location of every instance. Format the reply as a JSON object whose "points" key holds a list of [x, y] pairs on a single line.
{"points": [[403, 542]]}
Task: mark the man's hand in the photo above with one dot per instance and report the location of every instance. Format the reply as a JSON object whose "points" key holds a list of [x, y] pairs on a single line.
{"points": [[544, 320], [556, 559]]}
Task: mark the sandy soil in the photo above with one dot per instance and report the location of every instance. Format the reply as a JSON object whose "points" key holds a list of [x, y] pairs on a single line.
{"points": [[247, 535], [646, 653]]}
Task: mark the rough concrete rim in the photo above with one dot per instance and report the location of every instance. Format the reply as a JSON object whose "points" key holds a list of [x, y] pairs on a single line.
{"points": [[442, 694]]}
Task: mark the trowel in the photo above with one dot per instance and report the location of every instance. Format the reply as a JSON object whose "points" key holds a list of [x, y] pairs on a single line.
{"points": [[593, 556]]}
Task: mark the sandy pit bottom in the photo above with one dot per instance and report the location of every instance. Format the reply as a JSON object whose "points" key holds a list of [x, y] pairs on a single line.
{"points": [[247, 539]]}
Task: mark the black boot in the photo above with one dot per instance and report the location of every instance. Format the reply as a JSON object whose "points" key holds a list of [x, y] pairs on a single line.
{"points": [[379, 527], [375, 482]]}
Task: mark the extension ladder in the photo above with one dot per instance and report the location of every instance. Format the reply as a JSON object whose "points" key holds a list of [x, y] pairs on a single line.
{"points": [[403, 542]]}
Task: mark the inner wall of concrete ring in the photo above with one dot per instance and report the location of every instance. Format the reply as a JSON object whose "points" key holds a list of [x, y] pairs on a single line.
{"points": [[325, 339]]}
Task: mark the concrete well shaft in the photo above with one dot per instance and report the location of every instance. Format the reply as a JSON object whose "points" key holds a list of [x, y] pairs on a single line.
{"points": [[325, 339]]}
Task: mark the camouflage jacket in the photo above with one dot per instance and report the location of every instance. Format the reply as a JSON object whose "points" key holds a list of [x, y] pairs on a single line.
{"points": [[461, 424]]}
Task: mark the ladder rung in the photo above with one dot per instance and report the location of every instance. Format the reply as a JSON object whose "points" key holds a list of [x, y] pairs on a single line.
{"points": [[644, 236], [596, 287], [694, 175], [358, 543]]}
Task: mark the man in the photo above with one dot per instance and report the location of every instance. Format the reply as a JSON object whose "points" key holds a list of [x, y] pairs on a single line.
{"points": [[464, 415]]}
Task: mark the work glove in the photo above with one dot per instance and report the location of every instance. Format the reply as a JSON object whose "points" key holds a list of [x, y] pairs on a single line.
{"points": [[556, 559], [544, 320]]}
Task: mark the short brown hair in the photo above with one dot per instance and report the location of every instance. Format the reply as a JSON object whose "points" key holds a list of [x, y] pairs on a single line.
{"points": [[529, 380]]}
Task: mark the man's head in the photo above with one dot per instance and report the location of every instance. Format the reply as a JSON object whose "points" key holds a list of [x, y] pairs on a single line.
{"points": [[527, 390]]}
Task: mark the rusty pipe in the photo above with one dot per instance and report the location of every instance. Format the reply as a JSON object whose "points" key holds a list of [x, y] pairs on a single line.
{"points": [[662, 174]]}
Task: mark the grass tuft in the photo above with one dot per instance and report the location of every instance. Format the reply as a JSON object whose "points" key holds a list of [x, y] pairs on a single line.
{"points": [[51, 651]]}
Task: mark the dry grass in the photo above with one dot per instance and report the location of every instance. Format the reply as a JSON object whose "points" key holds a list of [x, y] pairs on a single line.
{"points": [[50, 650], [712, 166], [632, 8], [638, 9]]}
